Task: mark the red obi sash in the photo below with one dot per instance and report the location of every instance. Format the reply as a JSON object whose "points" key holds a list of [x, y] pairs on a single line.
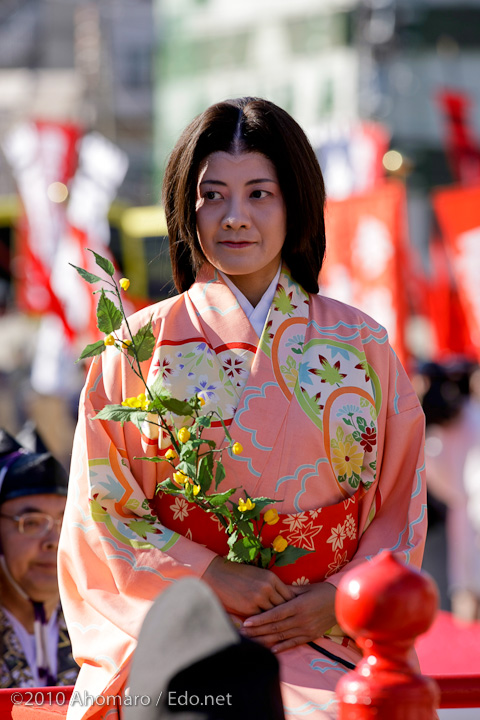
{"points": [[330, 533]]}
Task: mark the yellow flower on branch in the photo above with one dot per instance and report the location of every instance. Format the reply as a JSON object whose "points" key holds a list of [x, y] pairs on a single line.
{"points": [[237, 448], [279, 544], [126, 343], [201, 400], [184, 435], [196, 489], [245, 505], [170, 454], [124, 283], [271, 517], [180, 477], [140, 402], [109, 340]]}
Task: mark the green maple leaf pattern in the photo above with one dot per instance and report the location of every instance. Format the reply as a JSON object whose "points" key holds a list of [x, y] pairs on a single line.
{"points": [[141, 527], [283, 302], [329, 373]]}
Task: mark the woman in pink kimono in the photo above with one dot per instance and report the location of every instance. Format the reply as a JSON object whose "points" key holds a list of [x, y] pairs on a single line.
{"points": [[329, 423]]}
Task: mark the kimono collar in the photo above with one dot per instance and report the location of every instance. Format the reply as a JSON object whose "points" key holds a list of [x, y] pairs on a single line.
{"points": [[258, 314]]}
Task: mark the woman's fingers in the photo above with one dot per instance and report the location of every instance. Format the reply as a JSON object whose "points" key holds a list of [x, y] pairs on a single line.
{"points": [[302, 619], [245, 589]]}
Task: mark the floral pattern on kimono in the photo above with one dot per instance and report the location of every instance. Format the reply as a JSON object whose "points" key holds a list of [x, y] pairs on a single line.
{"points": [[326, 417]]}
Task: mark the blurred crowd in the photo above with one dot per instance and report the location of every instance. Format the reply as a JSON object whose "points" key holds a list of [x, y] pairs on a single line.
{"points": [[450, 396]]}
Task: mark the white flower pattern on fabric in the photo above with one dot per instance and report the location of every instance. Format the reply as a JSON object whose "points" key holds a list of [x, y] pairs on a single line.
{"points": [[180, 509], [337, 564], [337, 537], [301, 581], [303, 536], [295, 522], [350, 527]]}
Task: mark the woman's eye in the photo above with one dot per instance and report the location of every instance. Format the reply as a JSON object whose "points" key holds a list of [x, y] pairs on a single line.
{"points": [[212, 195], [259, 194]]}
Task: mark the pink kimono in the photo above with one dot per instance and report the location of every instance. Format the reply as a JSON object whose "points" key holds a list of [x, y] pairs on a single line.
{"points": [[331, 428]]}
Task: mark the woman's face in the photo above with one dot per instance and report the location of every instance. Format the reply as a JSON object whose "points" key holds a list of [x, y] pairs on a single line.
{"points": [[241, 219], [32, 561]]}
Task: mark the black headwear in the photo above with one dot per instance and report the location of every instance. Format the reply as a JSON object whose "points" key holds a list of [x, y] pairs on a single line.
{"points": [[28, 473]]}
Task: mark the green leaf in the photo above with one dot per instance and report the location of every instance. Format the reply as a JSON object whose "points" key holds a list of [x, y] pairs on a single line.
{"points": [[154, 459], [144, 342], [204, 421], [93, 349], [290, 555], [219, 474], [158, 389], [88, 276], [103, 263], [179, 407], [262, 502], [122, 414], [225, 430], [187, 468], [245, 526], [218, 499], [245, 549], [205, 472], [266, 557], [169, 487], [109, 317]]}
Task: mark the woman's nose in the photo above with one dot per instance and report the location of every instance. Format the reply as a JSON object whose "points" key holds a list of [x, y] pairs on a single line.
{"points": [[236, 216]]}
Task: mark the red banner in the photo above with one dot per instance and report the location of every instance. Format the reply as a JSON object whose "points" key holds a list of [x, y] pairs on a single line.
{"points": [[367, 255], [40, 154], [458, 214], [443, 307]]}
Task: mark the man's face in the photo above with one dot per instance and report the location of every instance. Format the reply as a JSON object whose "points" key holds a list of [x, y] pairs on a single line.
{"points": [[31, 559]]}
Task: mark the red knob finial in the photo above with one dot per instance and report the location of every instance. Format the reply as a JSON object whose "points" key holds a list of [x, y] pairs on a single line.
{"points": [[384, 605]]}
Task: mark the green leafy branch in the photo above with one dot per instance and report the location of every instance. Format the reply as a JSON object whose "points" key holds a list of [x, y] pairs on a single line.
{"points": [[195, 461]]}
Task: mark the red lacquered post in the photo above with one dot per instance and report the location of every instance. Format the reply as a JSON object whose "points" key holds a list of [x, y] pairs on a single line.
{"points": [[385, 605]]}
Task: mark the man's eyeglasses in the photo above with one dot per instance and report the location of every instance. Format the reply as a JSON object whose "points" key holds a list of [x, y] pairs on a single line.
{"points": [[34, 524]]}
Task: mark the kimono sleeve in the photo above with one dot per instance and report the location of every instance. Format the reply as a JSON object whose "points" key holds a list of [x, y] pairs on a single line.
{"points": [[394, 511], [114, 556]]}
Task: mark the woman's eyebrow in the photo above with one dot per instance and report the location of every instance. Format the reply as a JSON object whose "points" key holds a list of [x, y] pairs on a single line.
{"points": [[249, 182], [260, 180], [213, 182]]}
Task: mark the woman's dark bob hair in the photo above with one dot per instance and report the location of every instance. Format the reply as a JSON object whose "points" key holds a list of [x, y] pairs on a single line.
{"points": [[247, 125]]}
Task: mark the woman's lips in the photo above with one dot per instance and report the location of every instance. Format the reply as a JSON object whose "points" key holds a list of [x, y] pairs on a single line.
{"points": [[235, 243]]}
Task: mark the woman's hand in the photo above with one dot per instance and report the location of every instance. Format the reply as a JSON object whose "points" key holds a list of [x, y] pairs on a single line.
{"points": [[300, 620], [245, 589]]}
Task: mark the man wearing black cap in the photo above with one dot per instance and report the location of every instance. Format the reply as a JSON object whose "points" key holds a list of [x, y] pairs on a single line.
{"points": [[35, 648]]}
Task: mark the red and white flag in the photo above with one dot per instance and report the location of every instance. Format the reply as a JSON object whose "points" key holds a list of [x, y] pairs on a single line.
{"points": [[367, 254], [458, 214]]}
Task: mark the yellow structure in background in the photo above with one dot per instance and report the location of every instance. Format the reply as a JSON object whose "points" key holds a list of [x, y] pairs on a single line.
{"points": [[143, 250], [139, 243]]}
